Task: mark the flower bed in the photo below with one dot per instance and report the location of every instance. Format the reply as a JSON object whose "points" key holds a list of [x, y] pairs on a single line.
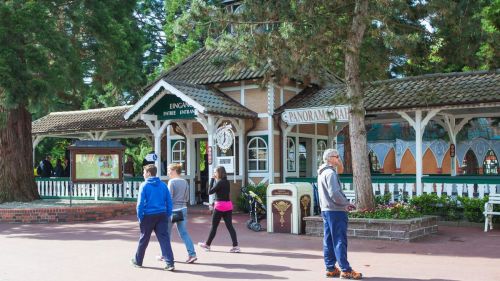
{"points": [[383, 229]]}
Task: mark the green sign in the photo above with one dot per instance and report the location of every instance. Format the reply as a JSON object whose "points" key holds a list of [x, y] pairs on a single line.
{"points": [[172, 107]]}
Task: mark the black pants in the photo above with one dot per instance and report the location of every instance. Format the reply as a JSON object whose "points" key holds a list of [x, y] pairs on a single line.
{"points": [[228, 220]]}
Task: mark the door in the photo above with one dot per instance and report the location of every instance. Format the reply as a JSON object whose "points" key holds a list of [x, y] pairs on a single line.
{"points": [[201, 178]]}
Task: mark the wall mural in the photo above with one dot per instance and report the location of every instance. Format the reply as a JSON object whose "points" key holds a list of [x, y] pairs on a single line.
{"points": [[439, 148]]}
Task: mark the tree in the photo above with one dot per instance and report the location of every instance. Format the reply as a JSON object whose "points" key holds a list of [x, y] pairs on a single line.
{"points": [[52, 53], [305, 39]]}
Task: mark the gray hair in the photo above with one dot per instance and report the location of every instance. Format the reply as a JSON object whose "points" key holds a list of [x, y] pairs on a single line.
{"points": [[329, 152]]}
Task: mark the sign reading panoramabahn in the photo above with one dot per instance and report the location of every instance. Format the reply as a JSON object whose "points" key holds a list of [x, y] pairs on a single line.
{"points": [[316, 115]]}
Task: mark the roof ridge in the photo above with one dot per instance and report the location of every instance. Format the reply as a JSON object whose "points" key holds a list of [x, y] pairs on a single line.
{"points": [[90, 110], [436, 75]]}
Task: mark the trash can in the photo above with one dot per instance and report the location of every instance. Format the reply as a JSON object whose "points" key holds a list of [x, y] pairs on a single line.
{"points": [[287, 204]]}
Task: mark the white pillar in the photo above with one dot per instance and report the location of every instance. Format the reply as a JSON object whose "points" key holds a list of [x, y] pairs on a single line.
{"points": [[270, 130], [419, 126], [241, 148], [211, 143], [448, 122], [418, 150], [36, 141]]}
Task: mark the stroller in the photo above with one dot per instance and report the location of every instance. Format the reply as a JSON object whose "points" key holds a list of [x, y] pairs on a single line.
{"points": [[257, 210]]}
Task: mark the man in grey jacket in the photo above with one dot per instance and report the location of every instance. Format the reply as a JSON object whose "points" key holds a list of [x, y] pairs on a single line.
{"points": [[334, 207]]}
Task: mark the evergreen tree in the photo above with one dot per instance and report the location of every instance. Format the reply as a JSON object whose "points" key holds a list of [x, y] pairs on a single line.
{"points": [[52, 54]]}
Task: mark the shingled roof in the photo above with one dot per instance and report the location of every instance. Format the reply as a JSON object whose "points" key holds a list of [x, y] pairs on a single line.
{"points": [[105, 119], [208, 67], [207, 100], [426, 91]]}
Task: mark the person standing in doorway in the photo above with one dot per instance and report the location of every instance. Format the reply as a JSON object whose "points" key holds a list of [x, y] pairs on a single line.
{"points": [[179, 189], [154, 208], [223, 209], [128, 169], [334, 207]]}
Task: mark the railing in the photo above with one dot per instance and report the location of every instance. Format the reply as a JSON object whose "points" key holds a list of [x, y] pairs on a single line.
{"points": [[467, 186], [59, 188]]}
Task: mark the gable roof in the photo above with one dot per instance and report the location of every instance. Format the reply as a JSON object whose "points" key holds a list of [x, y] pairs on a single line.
{"points": [[208, 67], [205, 99], [423, 91], [103, 119]]}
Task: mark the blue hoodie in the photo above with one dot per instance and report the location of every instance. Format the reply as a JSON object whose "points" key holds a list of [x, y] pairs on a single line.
{"points": [[154, 198]]}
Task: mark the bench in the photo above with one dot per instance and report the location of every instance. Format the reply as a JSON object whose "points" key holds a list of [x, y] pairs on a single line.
{"points": [[494, 199]]}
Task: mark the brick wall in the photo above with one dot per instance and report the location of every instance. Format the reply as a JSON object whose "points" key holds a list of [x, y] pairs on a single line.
{"points": [[66, 214], [402, 230]]}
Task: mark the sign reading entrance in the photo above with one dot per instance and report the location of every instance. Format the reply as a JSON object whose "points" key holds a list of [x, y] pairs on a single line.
{"points": [[172, 107], [316, 115]]}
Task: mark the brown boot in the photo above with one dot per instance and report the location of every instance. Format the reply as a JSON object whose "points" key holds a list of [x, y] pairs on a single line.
{"points": [[333, 274], [351, 275]]}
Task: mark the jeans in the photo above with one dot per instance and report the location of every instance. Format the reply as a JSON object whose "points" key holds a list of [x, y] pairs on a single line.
{"points": [[183, 233], [158, 223], [228, 220], [335, 240]]}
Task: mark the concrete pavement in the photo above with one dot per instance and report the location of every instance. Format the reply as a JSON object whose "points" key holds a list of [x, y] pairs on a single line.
{"points": [[102, 251]]}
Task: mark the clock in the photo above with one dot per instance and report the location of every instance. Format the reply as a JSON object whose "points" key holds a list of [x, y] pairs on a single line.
{"points": [[224, 137]]}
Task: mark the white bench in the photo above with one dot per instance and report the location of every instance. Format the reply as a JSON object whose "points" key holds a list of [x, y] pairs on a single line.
{"points": [[494, 199]]}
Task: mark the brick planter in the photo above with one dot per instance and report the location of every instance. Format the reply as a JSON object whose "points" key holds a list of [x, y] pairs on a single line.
{"points": [[66, 214], [383, 229]]}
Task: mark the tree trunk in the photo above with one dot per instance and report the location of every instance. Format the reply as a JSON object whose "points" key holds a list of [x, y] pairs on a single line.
{"points": [[360, 167], [17, 181], [347, 151]]}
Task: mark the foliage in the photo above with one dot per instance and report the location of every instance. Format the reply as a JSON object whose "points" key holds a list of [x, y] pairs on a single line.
{"points": [[473, 208], [390, 211], [383, 199], [138, 149], [259, 189]]}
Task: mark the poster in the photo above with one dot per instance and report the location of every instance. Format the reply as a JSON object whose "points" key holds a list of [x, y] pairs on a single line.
{"points": [[97, 166]]}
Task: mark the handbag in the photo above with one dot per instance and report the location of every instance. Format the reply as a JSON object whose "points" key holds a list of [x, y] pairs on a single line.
{"points": [[177, 216]]}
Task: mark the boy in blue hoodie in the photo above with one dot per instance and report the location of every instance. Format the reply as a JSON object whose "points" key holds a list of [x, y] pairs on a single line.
{"points": [[154, 208]]}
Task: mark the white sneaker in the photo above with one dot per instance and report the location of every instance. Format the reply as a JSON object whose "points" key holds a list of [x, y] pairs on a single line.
{"points": [[235, 250], [204, 246], [160, 258]]}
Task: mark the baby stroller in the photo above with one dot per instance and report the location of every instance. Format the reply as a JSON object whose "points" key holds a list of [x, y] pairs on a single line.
{"points": [[257, 210]]}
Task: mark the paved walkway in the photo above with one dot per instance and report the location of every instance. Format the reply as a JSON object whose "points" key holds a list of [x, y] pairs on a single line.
{"points": [[102, 250]]}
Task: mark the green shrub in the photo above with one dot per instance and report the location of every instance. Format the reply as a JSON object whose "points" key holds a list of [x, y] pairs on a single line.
{"points": [[383, 199], [259, 189], [445, 206], [473, 208], [389, 211]]}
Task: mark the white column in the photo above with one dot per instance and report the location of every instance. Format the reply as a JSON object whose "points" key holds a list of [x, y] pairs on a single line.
{"points": [[157, 127], [448, 122], [36, 141], [168, 140], [419, 126], [418, 150], [285, 131], [211, 143], [241, 147], [270, 130]]}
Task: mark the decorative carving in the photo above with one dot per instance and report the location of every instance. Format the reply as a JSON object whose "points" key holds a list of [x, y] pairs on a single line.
{"points": [[281, 206], [304, 202]]}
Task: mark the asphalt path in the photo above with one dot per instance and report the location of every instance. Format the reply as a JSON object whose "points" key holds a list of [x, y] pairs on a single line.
{"points": [[102, 251]]}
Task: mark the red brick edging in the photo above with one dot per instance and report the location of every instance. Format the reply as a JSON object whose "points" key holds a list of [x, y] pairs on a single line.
{"points": [[66, 214]]}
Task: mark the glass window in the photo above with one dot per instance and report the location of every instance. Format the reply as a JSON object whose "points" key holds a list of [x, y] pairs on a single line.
{"points": [[320, 150], [179, 154], [490, 164], [290, 154], [257, 155]]}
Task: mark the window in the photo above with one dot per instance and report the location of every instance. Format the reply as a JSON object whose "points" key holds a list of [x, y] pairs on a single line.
{"points": [[179, 153], [257, 155], [490, 164], [320, 150], [290, 154], [374, 164]]}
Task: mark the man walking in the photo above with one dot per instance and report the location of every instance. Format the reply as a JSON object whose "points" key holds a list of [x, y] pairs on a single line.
{"points": [[334, 207], [154, 208]]}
